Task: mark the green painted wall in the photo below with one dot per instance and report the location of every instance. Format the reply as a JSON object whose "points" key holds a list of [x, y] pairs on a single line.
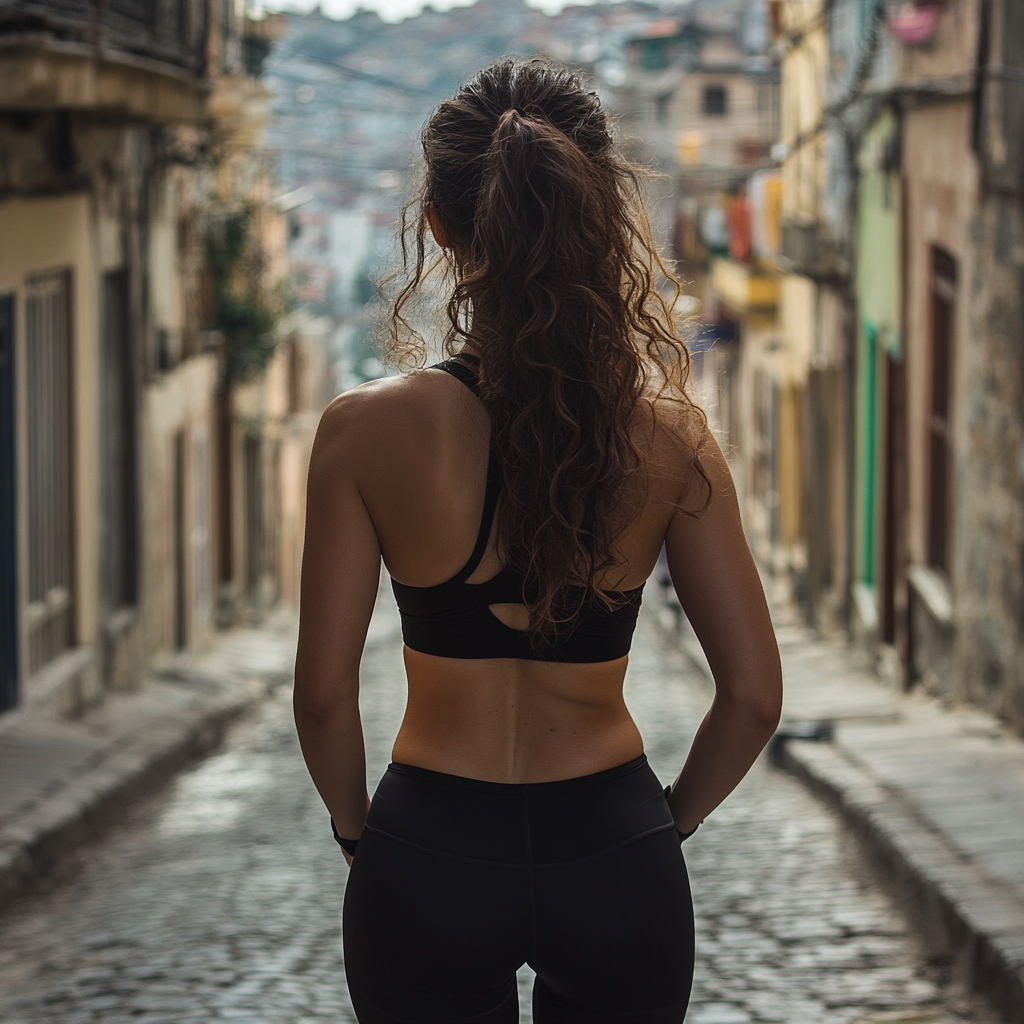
{"points": [[878, 276]]}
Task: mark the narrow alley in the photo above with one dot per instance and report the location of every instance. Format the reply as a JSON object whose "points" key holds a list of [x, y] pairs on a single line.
{"points": [[220, 898]]}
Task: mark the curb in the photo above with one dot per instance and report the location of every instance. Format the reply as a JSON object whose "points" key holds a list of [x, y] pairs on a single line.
{"points": [[35, 844], [957, 907]]}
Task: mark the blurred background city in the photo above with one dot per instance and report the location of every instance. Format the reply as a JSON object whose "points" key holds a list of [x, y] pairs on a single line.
{"points": [[198, 199]]}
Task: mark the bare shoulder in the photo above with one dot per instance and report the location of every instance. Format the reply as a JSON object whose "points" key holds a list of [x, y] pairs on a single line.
{"points": [[688, 450], [680, 420], [372, 413]]}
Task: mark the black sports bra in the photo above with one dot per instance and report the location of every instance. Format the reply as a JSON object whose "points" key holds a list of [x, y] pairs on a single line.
{"points": [[453, 619]]}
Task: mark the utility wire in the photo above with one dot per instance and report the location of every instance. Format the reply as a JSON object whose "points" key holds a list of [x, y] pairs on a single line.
{"points": [[365, 76], [834, 111]]}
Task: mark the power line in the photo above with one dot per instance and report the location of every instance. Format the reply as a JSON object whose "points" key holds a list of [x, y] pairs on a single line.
{"points": [[378, 80], [834, 111]]}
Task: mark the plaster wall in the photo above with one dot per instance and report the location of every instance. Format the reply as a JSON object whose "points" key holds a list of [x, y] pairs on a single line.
{"points": [[748, 119], [952, 51], [802, 102], [988, 657], [940, 192], [182, 400], [798, 313], [164, 278], [878, 271], [761, 361]]}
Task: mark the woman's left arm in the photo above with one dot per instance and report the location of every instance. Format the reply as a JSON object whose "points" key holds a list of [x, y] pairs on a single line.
{"points": [[340, 576]]}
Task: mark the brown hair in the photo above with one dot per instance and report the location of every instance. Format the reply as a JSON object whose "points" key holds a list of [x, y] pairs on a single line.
{"points": [[554, 285]]}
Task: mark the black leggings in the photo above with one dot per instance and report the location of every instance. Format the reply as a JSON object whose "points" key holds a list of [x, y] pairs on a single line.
{"points": [[457, 883]]}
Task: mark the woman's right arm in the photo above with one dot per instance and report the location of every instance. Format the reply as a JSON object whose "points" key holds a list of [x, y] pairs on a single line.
{"points": [[340, 576], [719, 588]]}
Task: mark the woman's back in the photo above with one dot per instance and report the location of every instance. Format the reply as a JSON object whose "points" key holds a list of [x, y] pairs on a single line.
{"points": [[520, 506], [422, 445]]}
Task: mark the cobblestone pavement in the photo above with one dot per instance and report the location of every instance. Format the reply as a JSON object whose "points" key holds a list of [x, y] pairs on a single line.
{"points": [[220, 899]]}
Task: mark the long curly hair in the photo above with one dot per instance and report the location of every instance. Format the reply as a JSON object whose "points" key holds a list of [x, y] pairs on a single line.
{"points": [[553, 277]]}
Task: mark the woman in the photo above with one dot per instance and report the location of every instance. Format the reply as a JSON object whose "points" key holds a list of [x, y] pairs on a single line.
{"points": [[519, 494]]}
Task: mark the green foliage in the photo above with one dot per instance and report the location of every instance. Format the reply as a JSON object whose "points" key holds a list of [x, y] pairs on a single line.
{"points": [[244, 309], [248, 327], [255, 51]]}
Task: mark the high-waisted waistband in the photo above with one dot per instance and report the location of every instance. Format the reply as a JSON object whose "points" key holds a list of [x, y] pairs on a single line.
{"points": [[532, 823]]}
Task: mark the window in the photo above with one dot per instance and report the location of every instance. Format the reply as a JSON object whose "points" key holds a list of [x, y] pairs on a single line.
{"points": [[943, 310], [48, 408], [715, 101]]}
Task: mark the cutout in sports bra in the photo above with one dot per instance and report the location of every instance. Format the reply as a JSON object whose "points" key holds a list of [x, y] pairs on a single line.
{"points": [[454, 619]]}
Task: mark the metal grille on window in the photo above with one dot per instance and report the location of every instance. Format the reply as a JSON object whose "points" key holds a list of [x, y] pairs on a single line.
{"points": [[48, 371]]}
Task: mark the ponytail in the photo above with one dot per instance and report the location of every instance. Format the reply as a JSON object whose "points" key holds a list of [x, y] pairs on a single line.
{"points": [[554, 287], [538, 199]]}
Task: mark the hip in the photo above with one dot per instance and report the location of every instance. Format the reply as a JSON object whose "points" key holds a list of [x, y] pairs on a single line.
{"points": [[528, 824]]}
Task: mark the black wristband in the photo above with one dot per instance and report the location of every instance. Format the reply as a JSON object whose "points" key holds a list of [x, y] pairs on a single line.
{"points": [[683, 836], [348, 845]]}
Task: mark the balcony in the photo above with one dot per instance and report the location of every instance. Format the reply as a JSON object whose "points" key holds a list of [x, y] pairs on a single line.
{"points": [[807, 250], [134, 58], [743, 287]]}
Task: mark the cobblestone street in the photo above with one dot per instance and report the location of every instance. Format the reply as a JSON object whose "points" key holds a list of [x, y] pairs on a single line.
{"points": [[220, 898]]}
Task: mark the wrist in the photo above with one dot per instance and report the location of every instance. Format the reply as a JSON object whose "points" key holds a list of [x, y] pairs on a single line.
{"points": [[348, 845], [683, 836]]}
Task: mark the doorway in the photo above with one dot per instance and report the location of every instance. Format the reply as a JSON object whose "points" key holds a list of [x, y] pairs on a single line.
{"points": [[8, 543], [118, 453], [893, 499]]}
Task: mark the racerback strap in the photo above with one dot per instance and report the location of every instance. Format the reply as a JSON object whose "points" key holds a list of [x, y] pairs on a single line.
{"points": [[462, 370]]}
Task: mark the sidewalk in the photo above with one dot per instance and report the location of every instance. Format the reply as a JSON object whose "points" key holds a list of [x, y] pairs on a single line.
{"points": [[935, 795], [63, 783]]}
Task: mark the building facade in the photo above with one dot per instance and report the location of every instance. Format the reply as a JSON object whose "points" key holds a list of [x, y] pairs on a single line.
{"points": [[900, 306], [127, 140], [965, 404]]}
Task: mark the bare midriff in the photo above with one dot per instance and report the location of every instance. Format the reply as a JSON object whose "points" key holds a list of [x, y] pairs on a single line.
{"points": [[515, 721]]}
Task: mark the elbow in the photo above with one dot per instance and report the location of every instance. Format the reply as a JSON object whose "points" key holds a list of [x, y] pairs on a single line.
{"points": [[761, 717], [315, 705], [311, 712], [760, 706], [767, 712], [761, 711], [766, 704]]}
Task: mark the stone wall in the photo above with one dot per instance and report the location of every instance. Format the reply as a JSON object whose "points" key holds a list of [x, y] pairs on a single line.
{"points": [[989, 553]]}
